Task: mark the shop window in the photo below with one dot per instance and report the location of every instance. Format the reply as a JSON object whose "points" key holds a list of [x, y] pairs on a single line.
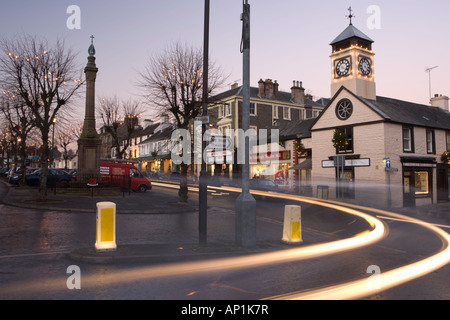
{"points": [[421, 183]]}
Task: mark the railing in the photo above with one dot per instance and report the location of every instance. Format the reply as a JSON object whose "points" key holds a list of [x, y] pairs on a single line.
{"points": [[88, 184]]}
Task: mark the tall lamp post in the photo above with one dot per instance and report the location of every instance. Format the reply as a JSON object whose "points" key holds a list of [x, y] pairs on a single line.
{"points": [[203, 183], [245, 222]]}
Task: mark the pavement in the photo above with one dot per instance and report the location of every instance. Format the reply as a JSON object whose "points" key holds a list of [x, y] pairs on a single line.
{"points": [[135, 203], [139, 204]]}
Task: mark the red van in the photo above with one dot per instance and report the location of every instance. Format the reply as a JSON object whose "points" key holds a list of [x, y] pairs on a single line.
{"points": [[125, 174]]}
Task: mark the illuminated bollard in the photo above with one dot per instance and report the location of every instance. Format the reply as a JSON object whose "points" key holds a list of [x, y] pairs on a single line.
{"points": [[106, 227], [292, 232]]}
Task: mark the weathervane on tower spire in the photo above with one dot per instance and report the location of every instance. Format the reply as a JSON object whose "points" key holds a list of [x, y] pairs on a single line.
{"points": [[350, 16]]}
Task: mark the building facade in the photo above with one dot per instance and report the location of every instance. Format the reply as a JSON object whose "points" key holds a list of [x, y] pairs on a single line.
{"points": [[270, 108], [374, 149]]}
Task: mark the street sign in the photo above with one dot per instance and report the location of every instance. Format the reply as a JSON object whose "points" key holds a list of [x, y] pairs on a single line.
{"points": [[220, 142], [339, 161], [388, 163], [391, 169], [203, 119]]}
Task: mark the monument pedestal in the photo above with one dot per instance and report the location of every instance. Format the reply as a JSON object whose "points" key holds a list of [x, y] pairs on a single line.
{"points": [[89, 158]]}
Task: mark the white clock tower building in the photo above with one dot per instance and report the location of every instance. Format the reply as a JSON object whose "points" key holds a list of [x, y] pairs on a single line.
{"points": [[352, 63]]}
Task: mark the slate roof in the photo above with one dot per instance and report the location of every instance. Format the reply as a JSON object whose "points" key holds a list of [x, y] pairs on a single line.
{"points": [[410, 113], [351, 32], [164, 134], [139, 132], [299, 129], [282, 96], [402, 112]]}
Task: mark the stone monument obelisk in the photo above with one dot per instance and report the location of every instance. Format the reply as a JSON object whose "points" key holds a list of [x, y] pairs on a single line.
{"points": [[89, 142]]}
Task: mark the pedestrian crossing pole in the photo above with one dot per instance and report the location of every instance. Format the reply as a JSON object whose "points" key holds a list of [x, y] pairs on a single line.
{"points": [[245, 224]]}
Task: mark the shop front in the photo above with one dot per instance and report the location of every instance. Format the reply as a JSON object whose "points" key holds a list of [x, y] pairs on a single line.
{"points": [[443, 182], [418, 180], [272, 166]]}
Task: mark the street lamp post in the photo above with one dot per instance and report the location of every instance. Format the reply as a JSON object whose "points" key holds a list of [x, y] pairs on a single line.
{"points": [[203, 183], [245, 222]]}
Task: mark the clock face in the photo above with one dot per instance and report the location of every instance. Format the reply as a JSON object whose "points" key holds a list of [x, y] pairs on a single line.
{"points": [[365, 66], [343, 67], [344, 109]]}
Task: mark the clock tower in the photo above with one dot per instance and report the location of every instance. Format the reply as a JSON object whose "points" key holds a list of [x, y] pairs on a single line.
{"points": [[352, 63]]}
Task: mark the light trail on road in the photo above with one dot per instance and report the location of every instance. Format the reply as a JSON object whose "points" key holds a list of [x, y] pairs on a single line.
{"points": [[386, 280], [350, 290], [376, 233]]}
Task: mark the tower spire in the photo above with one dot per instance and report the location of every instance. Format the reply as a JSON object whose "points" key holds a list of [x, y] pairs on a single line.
{"points": [[350, 16]]}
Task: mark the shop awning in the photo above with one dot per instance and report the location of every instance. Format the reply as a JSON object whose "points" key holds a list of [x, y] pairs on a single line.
{"points": [[158, 157], [307, 164]]}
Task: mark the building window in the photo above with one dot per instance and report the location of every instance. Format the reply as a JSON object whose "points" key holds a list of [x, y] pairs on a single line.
{"points": [[421, 183], [448, 140], [348, 132], [286, 113], [302, 114], [275, 112], [252, 109], [221, 112], [430, 141], [227, 110], [408, 139]]}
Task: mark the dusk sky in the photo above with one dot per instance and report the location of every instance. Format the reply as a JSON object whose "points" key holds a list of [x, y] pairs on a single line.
{"points": [[289, 39]]}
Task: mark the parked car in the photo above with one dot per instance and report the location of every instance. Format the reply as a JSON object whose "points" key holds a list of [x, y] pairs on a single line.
{"points": [[3, 171], [72, 172], [53, 176]]}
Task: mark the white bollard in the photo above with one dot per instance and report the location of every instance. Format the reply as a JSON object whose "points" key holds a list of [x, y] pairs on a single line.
{"points": [[106, 227], [292, 231]]}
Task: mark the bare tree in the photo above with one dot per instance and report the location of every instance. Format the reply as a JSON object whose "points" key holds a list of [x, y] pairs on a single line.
{"points": [[20, 122], [46, 78], [6, 145], [64, 139], [173, 84], [120, 120]]}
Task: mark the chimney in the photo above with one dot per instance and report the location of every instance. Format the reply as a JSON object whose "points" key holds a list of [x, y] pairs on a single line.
{"points": [[298, 93], [275, 89], [261, 88], [440, 101], [268, 89], [234, 85]]}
